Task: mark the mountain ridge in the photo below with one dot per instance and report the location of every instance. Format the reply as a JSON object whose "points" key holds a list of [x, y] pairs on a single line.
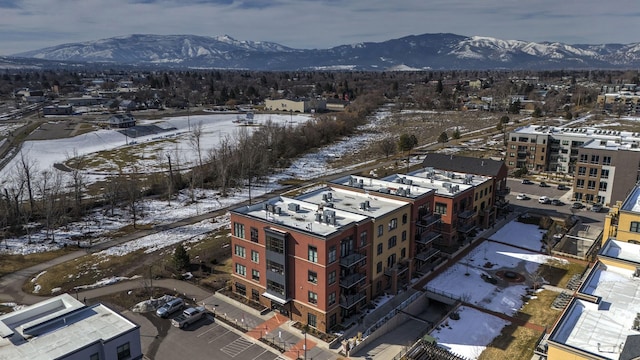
{"points": [[438, 51]]}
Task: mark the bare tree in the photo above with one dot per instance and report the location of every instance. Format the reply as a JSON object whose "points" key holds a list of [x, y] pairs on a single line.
{"points": [[387, 146], [78, 180], [27, 168]]}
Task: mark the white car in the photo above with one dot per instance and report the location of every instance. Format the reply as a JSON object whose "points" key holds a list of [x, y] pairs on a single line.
{"points": [[544, 200], [523, 197]]}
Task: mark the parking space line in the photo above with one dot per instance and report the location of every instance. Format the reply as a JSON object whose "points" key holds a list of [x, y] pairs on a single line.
{"points": [[259, 355], [236, 347], [217, 337], [209, 329]]}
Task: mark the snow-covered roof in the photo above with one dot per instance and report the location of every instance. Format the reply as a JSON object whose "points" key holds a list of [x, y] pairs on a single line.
{"points": [[602, 326], [56, 327], [585, 133], [632, 202]]}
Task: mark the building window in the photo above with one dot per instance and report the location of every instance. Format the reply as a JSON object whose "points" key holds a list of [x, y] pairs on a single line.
{"points": [[313, 297], [380, 230], [532, 148], [240, 251], [255, 274], [312, 277], [332, 298], [312, 320], [332, 277], [513, 147], [591, 185], [379, 249], [238, 230], [513, 138], [604, 174], [584, 158], [241, 270], [276, 245], [512, 154], [313, 254], [254, 234], [580, 183], [255, 295], [582, 170], [578, 196], [379, 267], [332, 254], [635, 226], [403, 253], [275, 267], [511, 163], [606, 160], [255, 256], [393, 224], [392, 242], [441, 208], [123, 351], [391, 260], [593, 172], [95, 356], [363, 238], [595, 159], [603, 186], [275, 287], [404, 235], [404, 218]]}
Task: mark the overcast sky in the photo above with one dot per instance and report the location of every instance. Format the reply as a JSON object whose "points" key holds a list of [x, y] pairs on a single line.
{"points": [[307, 24]]}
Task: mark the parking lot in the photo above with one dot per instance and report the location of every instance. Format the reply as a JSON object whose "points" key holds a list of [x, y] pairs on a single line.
{"points": [[208, 339]]}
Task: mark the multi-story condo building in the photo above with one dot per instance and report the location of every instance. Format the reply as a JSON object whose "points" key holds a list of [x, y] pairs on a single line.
{"points": [[555, 149], [64, 328], [321, 256], [602, 320], [605, 171]]}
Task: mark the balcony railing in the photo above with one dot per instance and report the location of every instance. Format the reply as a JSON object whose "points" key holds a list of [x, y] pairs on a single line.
{"points": [[427, 255], [349, 301], [351, 280], [398, 268], [467, 214], [466, 228], [427, 237], [351, 259], [430, 219]]}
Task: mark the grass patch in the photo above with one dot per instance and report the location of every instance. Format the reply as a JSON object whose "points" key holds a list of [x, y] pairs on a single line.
{"points": [[13, 263], [85, 270], [538, 311], [558, 273], [515, 342]]}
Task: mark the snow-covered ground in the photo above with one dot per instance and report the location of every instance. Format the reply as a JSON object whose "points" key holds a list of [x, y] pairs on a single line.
{"points": [[469, 335], [475, 330]]}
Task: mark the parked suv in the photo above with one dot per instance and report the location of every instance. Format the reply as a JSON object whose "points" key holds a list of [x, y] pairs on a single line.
{"points": [[544, 200], [170, 307]]}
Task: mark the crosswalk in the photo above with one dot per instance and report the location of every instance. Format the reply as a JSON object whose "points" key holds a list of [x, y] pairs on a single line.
{"points": [[236, 347]]}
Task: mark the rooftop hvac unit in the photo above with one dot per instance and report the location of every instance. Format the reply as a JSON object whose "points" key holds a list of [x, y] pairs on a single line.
{"points": [[361, 182], [329, 212], [363, 206], [409, 182], [350, 181], [329, 205], [408, 191], [318, 217], [400, 192], [270, 208], [367, 204], [446, 185], [265, 206], [332, 220], [329, 196], [293, 207], [637, 273], [636, 322], [398, 181], [277, 210]]}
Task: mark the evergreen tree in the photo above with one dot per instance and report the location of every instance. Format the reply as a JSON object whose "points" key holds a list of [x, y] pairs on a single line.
{"points": [[181, 259], [443, 138]]}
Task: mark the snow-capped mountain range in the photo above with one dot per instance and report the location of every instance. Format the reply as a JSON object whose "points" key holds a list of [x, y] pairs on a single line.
{"points": [[415, 52]]}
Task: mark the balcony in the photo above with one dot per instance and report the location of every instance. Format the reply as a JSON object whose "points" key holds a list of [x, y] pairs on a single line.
{"points": [[349, 301], [467, 214], [351, 259], [429, 220], [351, 280], [466, 228], [398, 269], [427, 237], [427, 255]]}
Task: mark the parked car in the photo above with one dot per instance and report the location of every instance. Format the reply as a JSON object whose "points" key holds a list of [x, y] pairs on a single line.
{"points": [[577, 205], [543, 184], [556, 202], [170, 307], [544, 200], [522, 197], [188, 316], [596, 207], [527, 182], [563, 187]]}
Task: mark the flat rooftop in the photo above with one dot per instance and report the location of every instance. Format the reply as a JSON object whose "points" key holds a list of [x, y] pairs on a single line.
{"points": [[611, 145], [442, 183], [586, 133], [56, 327], [603, 327], [399, 186], [632, 202]]}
